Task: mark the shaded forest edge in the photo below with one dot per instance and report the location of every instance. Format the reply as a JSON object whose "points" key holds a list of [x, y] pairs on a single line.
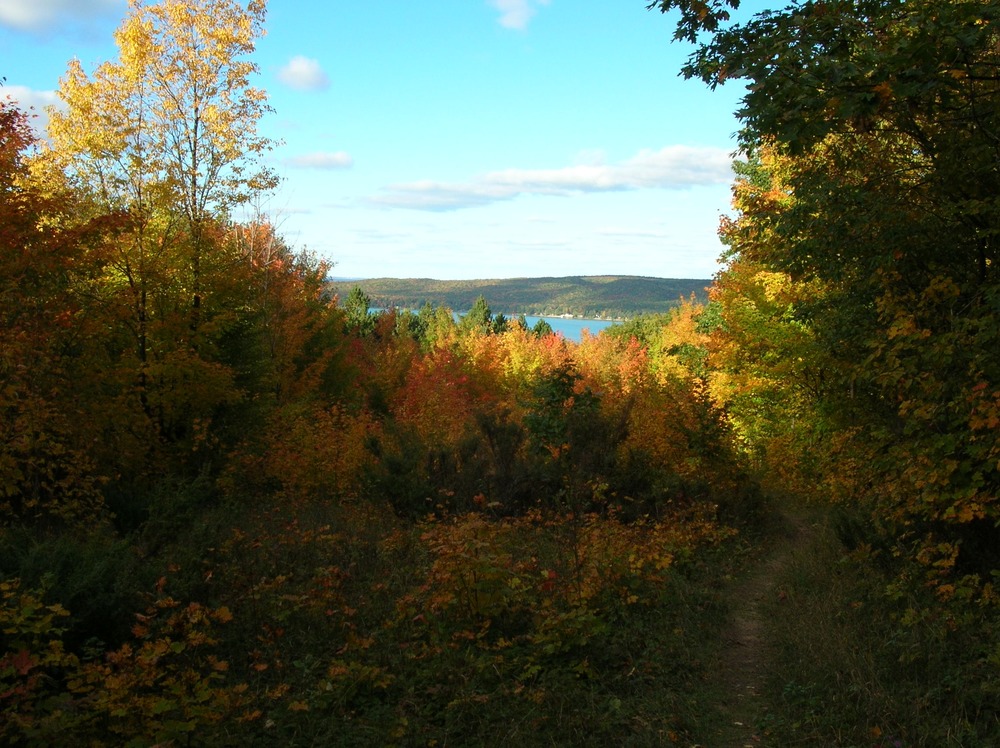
{"points": [[590, 297]]}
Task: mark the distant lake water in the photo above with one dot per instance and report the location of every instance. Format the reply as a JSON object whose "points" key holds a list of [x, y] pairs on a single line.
{"points": [[572, 328]]}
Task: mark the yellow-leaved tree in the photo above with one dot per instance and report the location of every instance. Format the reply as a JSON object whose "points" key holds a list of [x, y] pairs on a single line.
{"points": [[166, 140], [168, 133]]}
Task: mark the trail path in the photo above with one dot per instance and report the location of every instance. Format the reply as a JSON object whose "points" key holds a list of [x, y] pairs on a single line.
{"points": [[740, 673]]}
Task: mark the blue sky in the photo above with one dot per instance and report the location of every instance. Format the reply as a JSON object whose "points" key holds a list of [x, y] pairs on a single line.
{"points": [[461, 138]]}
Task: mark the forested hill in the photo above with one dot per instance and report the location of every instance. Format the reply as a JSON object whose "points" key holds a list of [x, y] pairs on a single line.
{"points": [[596, 296]]}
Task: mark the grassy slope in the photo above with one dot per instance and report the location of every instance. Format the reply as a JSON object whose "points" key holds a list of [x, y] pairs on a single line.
{"points": [[581, 296]]}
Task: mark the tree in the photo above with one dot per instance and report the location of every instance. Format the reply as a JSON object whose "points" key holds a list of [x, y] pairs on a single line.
{"points": [[409, 324], [165, 139], [168, 134], [876, 126], [500, 324], [357, 308], [288, 332], [439, 325], [542, 328], [923, 74], [45, 474], [479, 319]]}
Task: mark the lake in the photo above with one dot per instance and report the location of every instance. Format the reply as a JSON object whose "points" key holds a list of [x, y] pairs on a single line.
{"points": [[572, 328]]}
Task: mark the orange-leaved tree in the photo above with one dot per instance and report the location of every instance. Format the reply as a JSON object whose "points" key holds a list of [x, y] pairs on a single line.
{"points": [[45, 472]]}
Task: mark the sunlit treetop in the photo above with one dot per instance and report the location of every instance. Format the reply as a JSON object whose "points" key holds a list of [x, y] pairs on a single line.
{"points": [[175, 117], [826, 66]]}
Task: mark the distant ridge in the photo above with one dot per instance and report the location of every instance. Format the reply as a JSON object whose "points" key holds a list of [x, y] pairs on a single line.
{"points": [[589, 296]]}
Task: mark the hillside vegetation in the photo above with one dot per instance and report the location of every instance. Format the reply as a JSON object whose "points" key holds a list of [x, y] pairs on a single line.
{"points": [[592, 297], [237, 512]]}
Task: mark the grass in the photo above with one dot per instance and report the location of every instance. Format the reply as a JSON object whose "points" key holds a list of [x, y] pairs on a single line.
{"points": [[853, 666]]}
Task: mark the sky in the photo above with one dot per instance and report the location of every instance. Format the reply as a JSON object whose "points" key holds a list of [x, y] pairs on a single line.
{"points": [[458, 139]]}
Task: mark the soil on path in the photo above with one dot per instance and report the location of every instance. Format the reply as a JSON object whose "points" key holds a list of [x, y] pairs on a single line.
{"points": [[744, 661]]}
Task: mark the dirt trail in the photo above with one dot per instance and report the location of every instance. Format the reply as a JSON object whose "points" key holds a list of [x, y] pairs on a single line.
{"points": [[743, 664]]}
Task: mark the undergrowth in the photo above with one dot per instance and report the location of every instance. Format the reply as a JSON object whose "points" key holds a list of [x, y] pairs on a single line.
{"points": [[861, 664], [342, 625]]}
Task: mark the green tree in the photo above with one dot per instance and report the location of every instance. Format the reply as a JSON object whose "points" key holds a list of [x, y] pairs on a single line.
{"points": [[500, 324], [479, 319], [410, 325], [542, 328], [439, 325], [878, 122], [921, 75], [357, 307]]}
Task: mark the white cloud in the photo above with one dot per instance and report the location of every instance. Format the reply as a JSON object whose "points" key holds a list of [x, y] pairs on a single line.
{"points": [[515, 14], [671, 168], [321, 160], [303, 73], [33, 103], [47, 15]]}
